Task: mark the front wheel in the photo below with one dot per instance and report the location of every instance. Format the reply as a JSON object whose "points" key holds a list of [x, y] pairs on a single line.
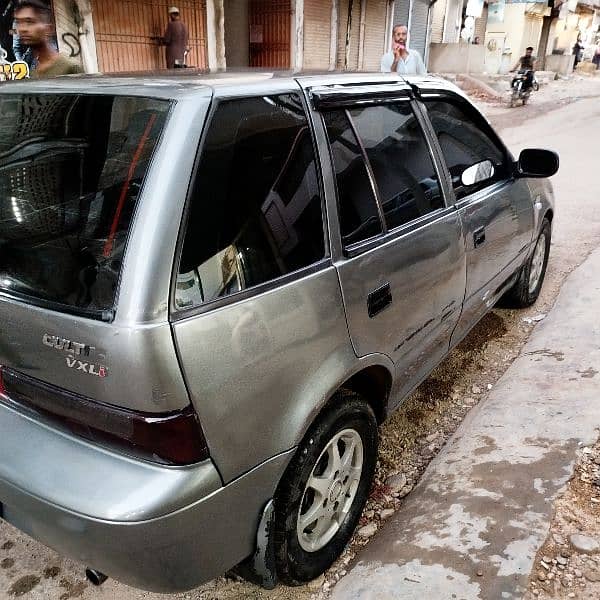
{"points": [[527, 288], [322, 494]]}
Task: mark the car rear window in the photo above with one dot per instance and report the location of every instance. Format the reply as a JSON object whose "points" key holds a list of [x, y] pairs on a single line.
{"points": [[71, 171]]}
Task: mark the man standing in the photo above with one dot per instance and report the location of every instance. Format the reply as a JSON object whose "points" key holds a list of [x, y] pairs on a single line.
{"points": [[400, 59], [176, 39], [33, 21]]}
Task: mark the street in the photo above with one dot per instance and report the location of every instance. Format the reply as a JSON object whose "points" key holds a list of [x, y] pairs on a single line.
{"points": [[565, 119]]}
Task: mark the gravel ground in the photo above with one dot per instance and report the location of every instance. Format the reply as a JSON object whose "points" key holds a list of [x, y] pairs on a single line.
{"points": [[568, 564], [409, 440]]}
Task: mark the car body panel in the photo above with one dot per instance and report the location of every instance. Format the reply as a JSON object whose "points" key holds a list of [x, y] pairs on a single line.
{"points": [[257, 369]]}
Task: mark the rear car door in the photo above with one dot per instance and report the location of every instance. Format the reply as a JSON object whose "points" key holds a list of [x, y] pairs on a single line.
{"points": [[497, 214], [401, 257]]}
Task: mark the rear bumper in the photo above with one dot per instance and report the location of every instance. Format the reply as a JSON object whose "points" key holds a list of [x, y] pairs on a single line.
{"points": [[156, 528]]}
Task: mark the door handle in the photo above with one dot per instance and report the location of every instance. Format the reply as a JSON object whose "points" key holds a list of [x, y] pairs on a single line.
{"points": [[379, 299], [479, 237]]}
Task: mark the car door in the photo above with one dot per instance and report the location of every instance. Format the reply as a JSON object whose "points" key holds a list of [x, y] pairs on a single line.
{"points": [[496, 213], [401, 259]]}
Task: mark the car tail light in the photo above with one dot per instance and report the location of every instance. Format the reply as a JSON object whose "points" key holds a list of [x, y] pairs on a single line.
{"points": [[173, 438]]}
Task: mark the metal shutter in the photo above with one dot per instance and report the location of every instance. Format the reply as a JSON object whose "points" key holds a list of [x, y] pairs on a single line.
{"points": [[374, 42], [401, 8], [437, 22], [317, 34], [418, 26], [354, 34]]}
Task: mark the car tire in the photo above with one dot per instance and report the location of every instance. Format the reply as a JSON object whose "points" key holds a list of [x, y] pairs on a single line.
{"points": [[304, 548], [531, 277]]}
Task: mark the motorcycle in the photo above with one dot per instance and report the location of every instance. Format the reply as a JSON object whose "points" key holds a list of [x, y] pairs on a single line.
{"points": [[519, 91]]}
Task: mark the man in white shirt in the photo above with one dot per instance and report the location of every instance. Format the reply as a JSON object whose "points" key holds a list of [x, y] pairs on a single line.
{"points": [[400, 59]]}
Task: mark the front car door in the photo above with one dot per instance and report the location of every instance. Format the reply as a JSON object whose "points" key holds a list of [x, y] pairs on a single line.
{"points": [[497, 213], [401, 259]]}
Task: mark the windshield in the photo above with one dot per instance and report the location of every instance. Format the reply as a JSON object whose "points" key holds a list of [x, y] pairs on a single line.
{"points": [[71, 170]]}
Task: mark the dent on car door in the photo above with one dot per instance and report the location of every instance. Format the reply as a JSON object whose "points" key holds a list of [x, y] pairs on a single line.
{"points": [[403, 269], [496, 210]]}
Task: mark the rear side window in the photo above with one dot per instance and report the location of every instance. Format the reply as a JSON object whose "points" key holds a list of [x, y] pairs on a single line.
{"points": [[71, 171], [465, 139], [256, 210], [395, 145]]}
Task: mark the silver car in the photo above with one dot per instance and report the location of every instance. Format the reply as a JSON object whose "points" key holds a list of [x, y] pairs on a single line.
{"points": [[213, 289]]}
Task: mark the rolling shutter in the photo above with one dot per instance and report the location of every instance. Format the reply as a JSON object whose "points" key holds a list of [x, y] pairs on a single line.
{"points": [[374, 41], [354, 34], [317, 34], [418, 26]]}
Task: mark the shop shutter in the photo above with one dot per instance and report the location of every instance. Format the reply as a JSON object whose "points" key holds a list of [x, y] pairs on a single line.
{"points": [[374, 42], [317, 34], [354, 34], [127, 33], [437, 22], [401, 8], [418, 26]]}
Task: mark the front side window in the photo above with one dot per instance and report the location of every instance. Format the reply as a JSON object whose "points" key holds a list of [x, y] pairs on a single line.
{"points": [[395, 145], [465, 140], [71, 171], [256, 210]]}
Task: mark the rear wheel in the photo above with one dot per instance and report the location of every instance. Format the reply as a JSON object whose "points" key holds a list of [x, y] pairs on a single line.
{"points": [[321, 496], [527, 288]]}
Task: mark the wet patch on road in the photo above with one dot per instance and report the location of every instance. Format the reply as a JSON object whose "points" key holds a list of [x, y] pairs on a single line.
{"points": [[23, 586], [559, 356]]}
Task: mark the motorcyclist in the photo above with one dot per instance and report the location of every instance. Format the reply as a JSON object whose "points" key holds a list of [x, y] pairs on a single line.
{"points": [[526, 64]]}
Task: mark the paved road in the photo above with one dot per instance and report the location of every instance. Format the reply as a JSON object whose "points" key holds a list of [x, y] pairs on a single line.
{"points": [[473, 525]]}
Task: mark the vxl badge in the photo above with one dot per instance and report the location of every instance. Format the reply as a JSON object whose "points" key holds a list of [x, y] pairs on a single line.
{"points": [[75, 350]]}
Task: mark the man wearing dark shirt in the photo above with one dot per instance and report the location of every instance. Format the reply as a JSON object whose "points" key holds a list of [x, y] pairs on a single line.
{"points": [[34, 24], [526, 65], [175, 39]]}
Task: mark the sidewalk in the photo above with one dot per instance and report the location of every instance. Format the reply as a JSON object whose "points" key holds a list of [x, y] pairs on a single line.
{"points": [[473, 525]]}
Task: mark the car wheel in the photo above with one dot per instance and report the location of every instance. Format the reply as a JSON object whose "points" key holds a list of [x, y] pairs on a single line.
{"points": [[527, 288], [322, 494]]}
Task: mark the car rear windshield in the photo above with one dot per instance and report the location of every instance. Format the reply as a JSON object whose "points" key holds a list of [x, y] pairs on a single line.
{"points": [[71, 171]]}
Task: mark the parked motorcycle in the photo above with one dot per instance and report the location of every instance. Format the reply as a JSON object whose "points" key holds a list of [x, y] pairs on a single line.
{"points": [[519, 89]]}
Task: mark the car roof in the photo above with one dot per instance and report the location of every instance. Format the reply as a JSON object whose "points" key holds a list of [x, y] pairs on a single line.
{"points": [[185, 82]]}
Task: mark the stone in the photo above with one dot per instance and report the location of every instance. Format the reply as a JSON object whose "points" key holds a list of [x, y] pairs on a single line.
{"points": [[577, 573], [316, 584], [479, 573], [592, 575], [396, 482], [545, 565], [572, 595], [546, 559], [584, 544], [541, 575], [432, 437], [386, 513], [368, 530], [561, 560], [558, 539], [405, 490], [476, 389], [369, 514]]}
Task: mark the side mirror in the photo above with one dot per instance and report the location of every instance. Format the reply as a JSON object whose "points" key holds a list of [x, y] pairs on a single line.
{"points": [[477, 173], [535, 162]]}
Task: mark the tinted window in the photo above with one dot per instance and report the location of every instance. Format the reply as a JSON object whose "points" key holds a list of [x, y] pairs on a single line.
{"points": [[256, 206], [398, 154], [466, 139], [71, 169], [359, 218]]}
